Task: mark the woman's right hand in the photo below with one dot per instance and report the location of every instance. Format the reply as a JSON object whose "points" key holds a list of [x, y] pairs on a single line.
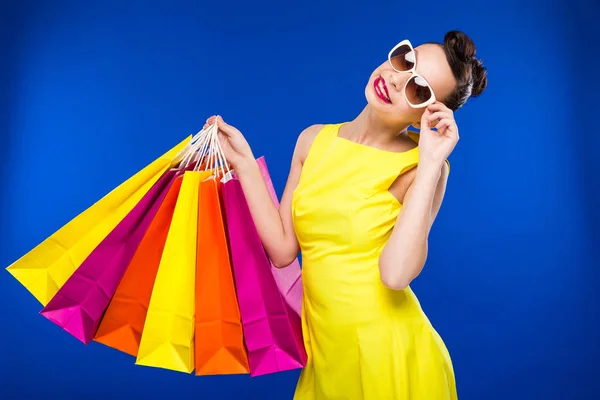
{"points": [[236, 148]]}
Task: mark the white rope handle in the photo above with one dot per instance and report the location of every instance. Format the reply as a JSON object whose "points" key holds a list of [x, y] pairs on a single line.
{"points": [[216, 156], [190, 150], [205, 153], [201, 149], [220, 155], [222, 158], [210, 155], [185, 151], [191, 154]]}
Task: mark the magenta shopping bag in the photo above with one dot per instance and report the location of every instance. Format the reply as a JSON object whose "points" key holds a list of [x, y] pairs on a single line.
{"points": [[272, 330], [289, 279], [79, 305]]}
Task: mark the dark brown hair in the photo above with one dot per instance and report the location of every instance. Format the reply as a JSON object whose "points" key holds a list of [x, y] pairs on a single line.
{"points": [[468, 70]]}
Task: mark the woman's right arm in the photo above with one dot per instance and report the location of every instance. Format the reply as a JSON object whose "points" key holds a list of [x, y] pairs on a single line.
{"points": [[275, 227]]}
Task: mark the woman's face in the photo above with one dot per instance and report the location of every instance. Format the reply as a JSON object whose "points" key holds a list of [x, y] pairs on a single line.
{"points": [[431, 64]]}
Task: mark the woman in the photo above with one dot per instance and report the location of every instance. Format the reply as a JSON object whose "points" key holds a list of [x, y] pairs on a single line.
{"points": [[359, 203]]}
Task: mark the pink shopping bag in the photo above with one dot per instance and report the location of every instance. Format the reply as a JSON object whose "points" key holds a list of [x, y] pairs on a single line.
{"points": [[289, 279], [272, 330]]}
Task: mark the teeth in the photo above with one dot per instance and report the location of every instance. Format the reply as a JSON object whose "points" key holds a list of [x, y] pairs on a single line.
{"points": [[382, 87]]}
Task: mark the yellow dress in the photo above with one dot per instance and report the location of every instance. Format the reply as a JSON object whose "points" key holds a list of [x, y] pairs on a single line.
{"points": [[364, 341]]}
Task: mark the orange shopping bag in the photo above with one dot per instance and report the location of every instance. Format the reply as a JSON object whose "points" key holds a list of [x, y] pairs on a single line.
{"points": [[123, 323], [219, 339]]}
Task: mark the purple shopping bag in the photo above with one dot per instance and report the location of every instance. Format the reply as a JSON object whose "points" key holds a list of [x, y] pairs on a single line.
{"points": [[272, 330], [289, 279], [79, 305]]}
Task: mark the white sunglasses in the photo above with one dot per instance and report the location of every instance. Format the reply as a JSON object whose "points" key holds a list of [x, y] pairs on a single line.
{"points": [[417, 91]]}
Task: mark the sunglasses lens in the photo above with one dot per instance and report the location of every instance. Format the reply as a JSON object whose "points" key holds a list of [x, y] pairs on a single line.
{"points": [[418, 91], [402, 58]]}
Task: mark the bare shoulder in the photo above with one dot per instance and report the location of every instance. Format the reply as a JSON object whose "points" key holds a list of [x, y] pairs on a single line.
{"points": [[305, 141]]}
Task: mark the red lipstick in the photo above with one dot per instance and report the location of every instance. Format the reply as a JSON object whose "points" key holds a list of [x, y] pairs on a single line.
{"points": [[381, 90]]}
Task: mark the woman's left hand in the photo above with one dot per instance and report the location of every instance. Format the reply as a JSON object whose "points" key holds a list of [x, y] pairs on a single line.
{"points": [[436, 146]]}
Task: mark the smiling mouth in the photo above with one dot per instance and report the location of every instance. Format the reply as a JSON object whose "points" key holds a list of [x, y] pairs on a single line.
{"points": [[381, 90]]}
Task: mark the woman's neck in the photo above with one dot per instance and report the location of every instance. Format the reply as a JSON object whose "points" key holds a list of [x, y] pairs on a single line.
{"points": [[370, 130]]}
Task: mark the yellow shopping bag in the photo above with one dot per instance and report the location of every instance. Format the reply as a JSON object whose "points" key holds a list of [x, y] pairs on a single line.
{"points": [[45, 269], [168, 335]]}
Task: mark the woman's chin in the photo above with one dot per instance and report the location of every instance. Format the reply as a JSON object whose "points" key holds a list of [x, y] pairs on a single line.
{"points": [[376, 103]]}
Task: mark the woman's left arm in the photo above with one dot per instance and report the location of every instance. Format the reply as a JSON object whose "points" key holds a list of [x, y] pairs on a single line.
{"points": [[405, 253]]}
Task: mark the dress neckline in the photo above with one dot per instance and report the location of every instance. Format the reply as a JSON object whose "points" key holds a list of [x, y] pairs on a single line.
{"points": [[371, 148]]}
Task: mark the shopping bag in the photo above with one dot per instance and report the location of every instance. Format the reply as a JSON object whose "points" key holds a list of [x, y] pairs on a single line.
{"points": [[122, 324], [289, 279], [219, 341], [80, 303], [47, 267], [168, 335], [272, 330]]}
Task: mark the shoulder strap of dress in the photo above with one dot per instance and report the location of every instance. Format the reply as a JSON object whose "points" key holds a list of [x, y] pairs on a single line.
{"points": [[320, 146]]}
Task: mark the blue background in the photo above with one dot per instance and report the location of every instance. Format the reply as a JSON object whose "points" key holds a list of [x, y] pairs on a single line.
{"points": [[90, 92]]}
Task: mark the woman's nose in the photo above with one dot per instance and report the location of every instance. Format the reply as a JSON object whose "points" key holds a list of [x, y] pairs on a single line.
{"points": [[397, 80]]}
